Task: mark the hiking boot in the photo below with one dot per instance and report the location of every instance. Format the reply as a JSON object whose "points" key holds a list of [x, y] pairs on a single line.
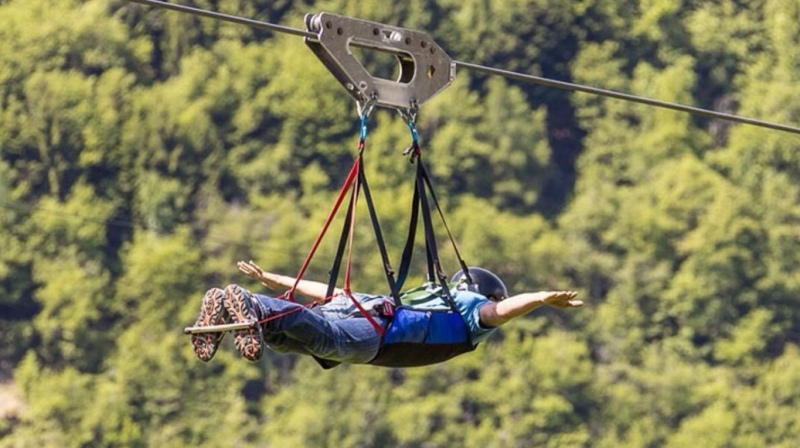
{"points": [[212, 312], [241, 308]]}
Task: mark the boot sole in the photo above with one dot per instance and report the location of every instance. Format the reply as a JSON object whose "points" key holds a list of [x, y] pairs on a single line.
{"points": [[212, 312], [248, 341]]}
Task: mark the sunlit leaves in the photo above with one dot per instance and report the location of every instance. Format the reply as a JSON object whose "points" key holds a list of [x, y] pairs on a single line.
{"points": [[144, 152]]}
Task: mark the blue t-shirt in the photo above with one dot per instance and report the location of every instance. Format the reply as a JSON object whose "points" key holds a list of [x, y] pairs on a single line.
{"points": [[468, 304]]}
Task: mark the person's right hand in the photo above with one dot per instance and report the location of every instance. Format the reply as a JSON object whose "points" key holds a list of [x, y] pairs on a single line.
{"points": [[254, 271], [250, 268]]}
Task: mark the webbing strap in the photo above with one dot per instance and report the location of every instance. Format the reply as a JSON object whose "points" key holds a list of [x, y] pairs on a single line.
{"points": [[430, 240], [352, 228], [350, 235], [358, 181], [347, 183], [346, 239], [408, 249], [461, 261], [376, 226], [333, 275], [420, 203]]}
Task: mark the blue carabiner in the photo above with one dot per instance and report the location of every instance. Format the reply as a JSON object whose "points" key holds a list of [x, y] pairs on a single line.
{"points": [[414, 134], [363, 127]]}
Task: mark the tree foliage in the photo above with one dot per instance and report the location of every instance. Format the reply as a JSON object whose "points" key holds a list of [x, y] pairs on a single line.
{"points": [[143, 152]]}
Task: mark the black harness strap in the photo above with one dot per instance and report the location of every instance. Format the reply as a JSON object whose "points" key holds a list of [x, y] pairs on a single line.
{"points": [[423, 185], [408, 250], [387, 267], [430, 239], [361, 182], [333, 275], [417, 205], [461, 261]]}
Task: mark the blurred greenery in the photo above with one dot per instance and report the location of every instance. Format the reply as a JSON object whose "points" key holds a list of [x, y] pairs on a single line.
{"points": [[143, 152]]}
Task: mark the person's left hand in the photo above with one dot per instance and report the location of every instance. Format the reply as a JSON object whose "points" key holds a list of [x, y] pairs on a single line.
{"points": [[562, 299]]}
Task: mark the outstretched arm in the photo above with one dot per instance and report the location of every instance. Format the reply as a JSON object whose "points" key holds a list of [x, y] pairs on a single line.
{"points": [[498, 313], [309, 288]]}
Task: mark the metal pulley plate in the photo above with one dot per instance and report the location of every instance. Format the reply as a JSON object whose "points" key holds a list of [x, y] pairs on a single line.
{"points": [[425, 69]]}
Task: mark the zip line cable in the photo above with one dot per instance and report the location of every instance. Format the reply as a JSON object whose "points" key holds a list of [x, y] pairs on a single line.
{"points": [[627, 97], [492, 71], [227, 17]]}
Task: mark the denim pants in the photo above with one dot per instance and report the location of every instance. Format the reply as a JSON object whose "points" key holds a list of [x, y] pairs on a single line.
{"points": [[350, 339]]}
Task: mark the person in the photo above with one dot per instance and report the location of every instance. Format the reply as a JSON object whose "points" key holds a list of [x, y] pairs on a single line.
{"points": [[338, 332]]}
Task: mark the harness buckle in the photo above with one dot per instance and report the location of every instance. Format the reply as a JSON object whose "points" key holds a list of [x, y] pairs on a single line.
{"points": [[385, 309]]}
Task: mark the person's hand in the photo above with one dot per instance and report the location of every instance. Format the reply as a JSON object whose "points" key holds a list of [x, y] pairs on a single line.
{"points": [[562, 299], [254, 271], [251, 269]]}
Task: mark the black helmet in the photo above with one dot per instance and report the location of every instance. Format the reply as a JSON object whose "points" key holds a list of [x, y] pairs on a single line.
{"points": [[484, 282]]}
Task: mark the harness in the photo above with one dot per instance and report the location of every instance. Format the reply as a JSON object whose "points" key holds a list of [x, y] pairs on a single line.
{"points": [[422, 336], [412, 337]]}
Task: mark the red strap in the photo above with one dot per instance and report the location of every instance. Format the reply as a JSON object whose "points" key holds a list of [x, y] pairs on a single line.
{"points": [[285, 313], [351, 230], [365, 313], [358, 305], [351, 233], [347, 183]]}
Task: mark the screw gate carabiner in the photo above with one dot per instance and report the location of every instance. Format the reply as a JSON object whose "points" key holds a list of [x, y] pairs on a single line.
{"points": [[414, 148], [363, 136]]}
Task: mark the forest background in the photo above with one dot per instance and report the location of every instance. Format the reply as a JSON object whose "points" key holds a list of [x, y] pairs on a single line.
{"points": [[144, 152]]}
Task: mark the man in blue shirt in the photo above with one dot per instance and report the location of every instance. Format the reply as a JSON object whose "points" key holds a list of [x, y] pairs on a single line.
{"points": [[337, 331]]}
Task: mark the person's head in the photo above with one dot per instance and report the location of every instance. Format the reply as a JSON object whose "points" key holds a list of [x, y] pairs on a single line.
{"points": [[484, 282]]}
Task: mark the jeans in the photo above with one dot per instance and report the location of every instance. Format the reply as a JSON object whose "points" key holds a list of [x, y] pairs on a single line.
{"points": [[350, 339]]}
